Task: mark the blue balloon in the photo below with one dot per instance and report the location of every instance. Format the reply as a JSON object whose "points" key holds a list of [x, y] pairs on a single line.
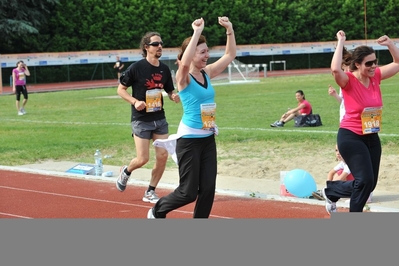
{"points": [[300, 183]]}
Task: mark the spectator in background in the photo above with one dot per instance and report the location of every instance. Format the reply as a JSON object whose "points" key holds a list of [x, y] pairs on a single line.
{"points": [[340, 99], [303, 108], [19, 85], [339, 172], [338, 96], [118, 66]]}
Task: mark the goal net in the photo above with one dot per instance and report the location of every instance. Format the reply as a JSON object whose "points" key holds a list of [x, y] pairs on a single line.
{"points": [[236, 72]]}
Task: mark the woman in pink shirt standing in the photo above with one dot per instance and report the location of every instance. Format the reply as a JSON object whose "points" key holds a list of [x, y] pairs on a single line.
{"points": [[19, 85], [357, 138]]}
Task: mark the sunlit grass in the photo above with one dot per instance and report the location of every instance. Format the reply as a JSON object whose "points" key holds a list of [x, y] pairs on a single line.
{"points": [[71, 125]]}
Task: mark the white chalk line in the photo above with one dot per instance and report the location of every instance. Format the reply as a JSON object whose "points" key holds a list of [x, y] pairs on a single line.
{"points": [[175, 126], [93, 199]]}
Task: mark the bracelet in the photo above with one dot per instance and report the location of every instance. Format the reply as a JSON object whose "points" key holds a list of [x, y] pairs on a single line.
{"points": [[230, 32]]}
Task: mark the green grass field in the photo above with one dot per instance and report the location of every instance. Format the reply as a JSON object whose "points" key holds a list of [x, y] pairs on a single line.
{"points": [[71, 125]]}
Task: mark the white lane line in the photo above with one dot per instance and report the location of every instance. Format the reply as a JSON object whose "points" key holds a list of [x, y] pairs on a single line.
{"points": [[96, 200], [16, 216]]}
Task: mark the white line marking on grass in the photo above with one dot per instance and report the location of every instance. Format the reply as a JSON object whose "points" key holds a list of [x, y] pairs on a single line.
{"points": [[175, 126], [67, 122]]}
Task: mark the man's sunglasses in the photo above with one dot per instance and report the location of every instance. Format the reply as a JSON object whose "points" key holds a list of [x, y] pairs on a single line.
{"points": [[370, 63], [155, 43]]}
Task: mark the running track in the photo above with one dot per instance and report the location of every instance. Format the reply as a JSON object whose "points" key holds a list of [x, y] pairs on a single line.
{"points": [[113, 83], [35, 196]]}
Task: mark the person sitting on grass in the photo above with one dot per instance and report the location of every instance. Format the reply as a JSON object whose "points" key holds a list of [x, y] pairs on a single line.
{"points": [[303, 108]]}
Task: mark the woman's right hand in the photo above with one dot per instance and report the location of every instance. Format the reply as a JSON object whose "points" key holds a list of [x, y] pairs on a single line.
{"points": [[225, 22], [341, 35], [331, 90], [198, 24]]}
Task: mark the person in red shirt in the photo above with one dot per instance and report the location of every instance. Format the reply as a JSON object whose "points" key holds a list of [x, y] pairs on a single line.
{"points": [[303, 108]]}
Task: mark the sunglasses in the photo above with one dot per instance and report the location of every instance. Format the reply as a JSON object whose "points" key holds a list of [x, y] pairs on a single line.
{"points": [[370, 63], [155, 43]]}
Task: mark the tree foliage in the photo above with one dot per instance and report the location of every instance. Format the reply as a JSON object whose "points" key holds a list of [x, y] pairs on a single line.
{"points": [[81, 25], [21, 19]]}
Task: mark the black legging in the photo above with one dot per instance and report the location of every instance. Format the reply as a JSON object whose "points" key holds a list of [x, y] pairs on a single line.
{"points": [[197, 170], [362, 154], [21, 89]]}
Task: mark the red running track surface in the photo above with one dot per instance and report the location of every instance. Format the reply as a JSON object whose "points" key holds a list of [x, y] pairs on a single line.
{"points": [[35, 196], [89, 84], [44, 196]]}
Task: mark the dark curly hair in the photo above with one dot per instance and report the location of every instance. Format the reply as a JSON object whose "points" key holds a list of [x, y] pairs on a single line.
{"points": [[145, 40]]}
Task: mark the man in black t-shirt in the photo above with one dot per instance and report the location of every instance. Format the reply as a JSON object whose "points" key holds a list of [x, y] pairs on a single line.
{"points": [[148, 77]]}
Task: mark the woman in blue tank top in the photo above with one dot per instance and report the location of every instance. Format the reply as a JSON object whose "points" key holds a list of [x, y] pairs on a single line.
{"points": [[196, 146]]}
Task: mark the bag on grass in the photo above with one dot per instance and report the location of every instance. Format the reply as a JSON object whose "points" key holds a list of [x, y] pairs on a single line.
{"points": [[311, 120]]}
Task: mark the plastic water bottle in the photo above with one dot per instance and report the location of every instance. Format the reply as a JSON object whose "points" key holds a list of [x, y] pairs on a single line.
{"points": [[98, 163]]}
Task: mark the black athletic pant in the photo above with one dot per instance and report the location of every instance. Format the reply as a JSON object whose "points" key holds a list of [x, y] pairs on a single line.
{"points": [[197, 169], [21, 89], [362, 154]]}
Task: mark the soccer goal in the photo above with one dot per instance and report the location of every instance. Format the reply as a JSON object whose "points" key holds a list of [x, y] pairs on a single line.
{"points": [[238, 72]]}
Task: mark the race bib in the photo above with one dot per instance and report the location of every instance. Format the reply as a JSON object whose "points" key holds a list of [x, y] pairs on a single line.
{"points": [[371, 120], [21, 76], [208, 112], [153, 99]]}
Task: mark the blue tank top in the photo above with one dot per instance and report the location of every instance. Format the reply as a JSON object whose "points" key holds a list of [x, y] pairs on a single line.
{"points": [[192, 97]]}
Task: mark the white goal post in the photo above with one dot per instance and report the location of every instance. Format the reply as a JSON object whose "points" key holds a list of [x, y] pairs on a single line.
{"points": [[276, 62], [236, 72]]}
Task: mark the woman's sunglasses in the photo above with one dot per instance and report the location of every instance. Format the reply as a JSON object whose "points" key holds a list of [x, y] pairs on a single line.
{"points": [[370, 63], [155, 43]]}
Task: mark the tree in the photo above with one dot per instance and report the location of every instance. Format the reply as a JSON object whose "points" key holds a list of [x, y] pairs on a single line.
{"points": [[19, 19]]}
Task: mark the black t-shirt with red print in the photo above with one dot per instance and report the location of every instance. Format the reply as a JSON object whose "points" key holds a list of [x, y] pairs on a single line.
{"points": [[144, 77]]}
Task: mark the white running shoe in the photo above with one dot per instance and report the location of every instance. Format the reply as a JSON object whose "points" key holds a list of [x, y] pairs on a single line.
{"points": [[121, 182], [150, 214], [330, 206], [150, 196]]}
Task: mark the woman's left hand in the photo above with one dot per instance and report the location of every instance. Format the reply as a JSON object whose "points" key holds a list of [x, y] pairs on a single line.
{"points": [[384, 40], [225, 22]]}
